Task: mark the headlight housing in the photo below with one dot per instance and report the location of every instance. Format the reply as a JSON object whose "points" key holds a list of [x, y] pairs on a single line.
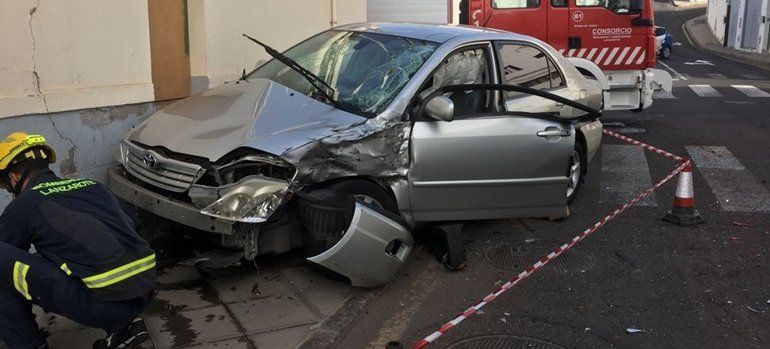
{"points": [[251, 200]]}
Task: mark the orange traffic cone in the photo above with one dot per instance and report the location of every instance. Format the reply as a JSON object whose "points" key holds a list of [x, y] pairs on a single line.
{"points": [[683, 212]]}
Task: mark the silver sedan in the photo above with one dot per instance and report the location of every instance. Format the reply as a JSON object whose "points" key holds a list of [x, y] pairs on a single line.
{"points": [[346, 141]]}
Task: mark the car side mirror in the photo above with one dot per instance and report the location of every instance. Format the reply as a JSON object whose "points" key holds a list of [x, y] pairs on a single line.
{"points": [[441, 108]]}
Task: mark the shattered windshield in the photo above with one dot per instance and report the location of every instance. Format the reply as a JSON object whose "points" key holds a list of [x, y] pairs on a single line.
{"points": [[367, 70]]}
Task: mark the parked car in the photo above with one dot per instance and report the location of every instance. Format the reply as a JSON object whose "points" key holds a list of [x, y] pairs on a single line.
{"points": [[360, 133], [664, 42]]}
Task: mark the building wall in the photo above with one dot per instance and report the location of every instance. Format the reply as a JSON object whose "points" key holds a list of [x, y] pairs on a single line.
{"points": [[85, 140], [219, 52], [80, 73], [717, 10], [64, 55], [77, 54]]}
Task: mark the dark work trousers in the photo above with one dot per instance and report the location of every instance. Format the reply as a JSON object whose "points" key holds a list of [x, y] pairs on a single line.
{"points": [[56, 292]]}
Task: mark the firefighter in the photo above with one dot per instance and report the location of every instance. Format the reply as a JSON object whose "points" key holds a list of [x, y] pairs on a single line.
{"points": [[89, 264]]}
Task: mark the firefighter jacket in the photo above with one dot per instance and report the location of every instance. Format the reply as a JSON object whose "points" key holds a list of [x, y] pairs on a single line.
{"points": [[78, 225]]}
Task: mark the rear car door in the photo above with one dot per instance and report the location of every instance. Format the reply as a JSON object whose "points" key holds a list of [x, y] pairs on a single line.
{"points": [[485, 164]]}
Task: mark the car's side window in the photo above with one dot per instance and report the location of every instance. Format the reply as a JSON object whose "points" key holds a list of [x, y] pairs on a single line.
{"points": [[527, 66], [465, 67]]}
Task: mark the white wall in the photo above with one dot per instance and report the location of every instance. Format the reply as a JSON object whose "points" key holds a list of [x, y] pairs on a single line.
{"points": [[64, 55], [717, 10], [220, 53]]}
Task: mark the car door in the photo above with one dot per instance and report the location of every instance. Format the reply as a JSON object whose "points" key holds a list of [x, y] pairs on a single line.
{"points": [[487, 164]]}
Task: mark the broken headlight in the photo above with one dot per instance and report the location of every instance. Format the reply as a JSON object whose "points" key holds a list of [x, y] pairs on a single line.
{"points": [[252, 200]]}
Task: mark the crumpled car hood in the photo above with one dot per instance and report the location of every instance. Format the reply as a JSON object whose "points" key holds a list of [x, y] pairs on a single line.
{"points": [[259, 114]]}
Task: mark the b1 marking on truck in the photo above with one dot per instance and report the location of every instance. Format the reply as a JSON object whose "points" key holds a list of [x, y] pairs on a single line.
{"points": [[577, 16]]}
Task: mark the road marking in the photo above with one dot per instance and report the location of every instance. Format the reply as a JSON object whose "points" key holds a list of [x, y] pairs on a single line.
{"points": [[624, 175], [672, 70], [733, 185], [717, 76], [751, 91], [663, 95], [751, 76], [705, 91], [699, 62]]}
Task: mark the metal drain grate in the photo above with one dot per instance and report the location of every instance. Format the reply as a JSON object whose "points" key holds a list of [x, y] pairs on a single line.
{"points": [[503, 341], [520, 255]]}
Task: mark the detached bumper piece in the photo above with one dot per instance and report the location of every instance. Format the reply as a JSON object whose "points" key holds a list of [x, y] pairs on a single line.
{"points": [[372, 246]]}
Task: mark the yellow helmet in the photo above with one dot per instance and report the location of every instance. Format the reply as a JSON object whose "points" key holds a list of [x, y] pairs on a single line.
{"points": [[32, 147]]}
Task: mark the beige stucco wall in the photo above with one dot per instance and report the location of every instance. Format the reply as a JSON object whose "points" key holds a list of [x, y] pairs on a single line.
{"points": [[75, 54], [219, 52], [64, 55]]}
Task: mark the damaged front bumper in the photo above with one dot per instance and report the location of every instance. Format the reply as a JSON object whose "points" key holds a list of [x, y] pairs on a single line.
{"points": [[165, 206], [371, 250]]}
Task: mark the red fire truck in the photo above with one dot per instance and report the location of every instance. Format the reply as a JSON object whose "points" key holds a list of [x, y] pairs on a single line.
{"points": [[611, 41]]}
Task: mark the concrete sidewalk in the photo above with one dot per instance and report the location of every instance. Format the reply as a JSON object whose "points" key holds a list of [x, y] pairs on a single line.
{"points": [[286, 304], [701, 36]]}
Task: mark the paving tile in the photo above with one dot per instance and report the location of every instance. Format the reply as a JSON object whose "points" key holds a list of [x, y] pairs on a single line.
{"points": [[84, 338], [328, 300], [233, 343], [250, 286], [286, 338], [177, 274], [273, 313], [54, 322], [180, 300], [307, 279], [176, 330]]}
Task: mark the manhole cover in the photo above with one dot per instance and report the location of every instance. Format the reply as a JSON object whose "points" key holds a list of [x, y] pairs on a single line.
{"points": [[503, 342], [520, 255]]}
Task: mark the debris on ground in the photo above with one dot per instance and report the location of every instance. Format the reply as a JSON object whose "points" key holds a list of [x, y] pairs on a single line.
{"points": [[744, 224], [754, 310], [587, 329], [503, 320], [634, 330]]}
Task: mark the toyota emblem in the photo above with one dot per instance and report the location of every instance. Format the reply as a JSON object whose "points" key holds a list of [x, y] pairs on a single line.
{"points": [[150, 160]]}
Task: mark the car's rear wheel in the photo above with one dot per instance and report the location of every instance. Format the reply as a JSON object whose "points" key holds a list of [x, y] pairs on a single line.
{"points": [[575, 171], [665, 53]]}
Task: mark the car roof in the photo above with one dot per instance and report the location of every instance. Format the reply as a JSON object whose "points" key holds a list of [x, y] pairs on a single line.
{"points": [[439, 33]]}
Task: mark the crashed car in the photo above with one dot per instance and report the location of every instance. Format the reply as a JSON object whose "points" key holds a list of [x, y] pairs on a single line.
{"points": [[349, 140]]}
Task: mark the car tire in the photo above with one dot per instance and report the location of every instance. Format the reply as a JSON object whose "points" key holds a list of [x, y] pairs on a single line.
{"points": [[367, 191], [576, 171], [364, 190], [665, 53]]}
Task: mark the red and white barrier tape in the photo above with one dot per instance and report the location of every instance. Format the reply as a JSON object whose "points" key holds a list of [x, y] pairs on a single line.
{"points": [[643, 145], [561, 249]]}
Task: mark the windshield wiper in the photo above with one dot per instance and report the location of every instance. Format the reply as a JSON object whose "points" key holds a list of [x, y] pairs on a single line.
{"points": [[322, 86]]}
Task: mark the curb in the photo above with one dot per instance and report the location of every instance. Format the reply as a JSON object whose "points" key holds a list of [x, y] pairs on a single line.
{"points": [[731, 54]]}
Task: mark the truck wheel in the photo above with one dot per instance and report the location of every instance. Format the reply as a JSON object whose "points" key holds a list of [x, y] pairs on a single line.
{"points": [[575, 171]]}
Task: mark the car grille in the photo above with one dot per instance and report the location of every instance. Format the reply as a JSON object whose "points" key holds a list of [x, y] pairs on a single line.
{"points": [[158, 170]]}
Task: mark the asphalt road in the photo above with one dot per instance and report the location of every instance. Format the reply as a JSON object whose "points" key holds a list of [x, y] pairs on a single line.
{"points": [[684, 287]]}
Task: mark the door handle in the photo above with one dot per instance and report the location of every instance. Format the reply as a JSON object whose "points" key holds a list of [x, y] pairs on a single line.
{"points": [[554, 133]]}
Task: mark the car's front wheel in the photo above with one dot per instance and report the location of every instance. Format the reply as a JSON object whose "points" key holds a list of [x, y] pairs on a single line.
{"points": [[575, 171], [665, 53]]}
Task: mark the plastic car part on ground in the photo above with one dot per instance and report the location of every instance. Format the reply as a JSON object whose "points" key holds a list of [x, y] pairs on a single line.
{"points": [[371, 250]]}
